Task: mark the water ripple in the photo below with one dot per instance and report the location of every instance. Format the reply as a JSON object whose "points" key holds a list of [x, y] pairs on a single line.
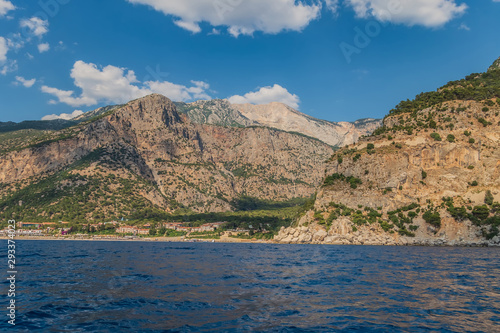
{"points": [[165, 287]]}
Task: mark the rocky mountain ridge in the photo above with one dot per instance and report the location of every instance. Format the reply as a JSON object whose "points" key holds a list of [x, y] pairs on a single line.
{"points": [[279, 116]]}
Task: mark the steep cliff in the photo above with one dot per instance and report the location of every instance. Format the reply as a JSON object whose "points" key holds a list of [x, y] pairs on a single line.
{"points": [[146, 156], [430, 175]]}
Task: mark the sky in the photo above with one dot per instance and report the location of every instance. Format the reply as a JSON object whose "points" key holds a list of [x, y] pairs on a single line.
{"points": [[339, 60]]}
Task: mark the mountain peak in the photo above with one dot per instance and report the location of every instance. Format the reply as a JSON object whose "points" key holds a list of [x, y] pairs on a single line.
{"points": [[495, 65], [150, 111]]}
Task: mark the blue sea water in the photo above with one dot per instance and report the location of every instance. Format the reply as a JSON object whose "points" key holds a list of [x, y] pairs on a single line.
{"points": [[71, 286]]}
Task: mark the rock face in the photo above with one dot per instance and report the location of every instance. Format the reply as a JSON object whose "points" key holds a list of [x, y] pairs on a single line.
{"points": [[429, 176], [201, 167], [279, 116]]}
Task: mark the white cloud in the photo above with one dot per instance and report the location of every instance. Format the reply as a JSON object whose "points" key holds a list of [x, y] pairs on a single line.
{"points": [[118, 85], [178, 92], [6, 65], [5, 6], [36, 25], [332, 5], [66, 96], [16, 41], [4, 48], [428, 13], [65, 116], [25, 82], [9, 66], [464, 26], [240, 16], [266, 95], [190, 26], [43, 47]]}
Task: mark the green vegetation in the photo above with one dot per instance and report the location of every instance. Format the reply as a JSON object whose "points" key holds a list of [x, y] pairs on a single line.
{"points": [[450, 138], [433, 218], [71, 196], [484, 122], [246, 203], [488, 198], [353, 181], [477, 87], [436, 136], [481, 212]]}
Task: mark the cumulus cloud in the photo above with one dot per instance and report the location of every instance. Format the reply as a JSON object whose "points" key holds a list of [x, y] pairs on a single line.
{"points": [[43, 47], [5, 7], [266, 95], [36, 26], [66, 96], [6, 65], [178, 92], [65, 116], [25, 82], [4, 48], [428, 13], [112, 84], [239, 16]]}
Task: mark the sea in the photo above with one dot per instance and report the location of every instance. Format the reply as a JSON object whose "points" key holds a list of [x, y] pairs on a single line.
{"points": [[92, 286]]}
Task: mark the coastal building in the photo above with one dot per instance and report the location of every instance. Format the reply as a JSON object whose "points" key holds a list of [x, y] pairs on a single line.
{"points": [[127, 229], [172, 225], [143, 231]]}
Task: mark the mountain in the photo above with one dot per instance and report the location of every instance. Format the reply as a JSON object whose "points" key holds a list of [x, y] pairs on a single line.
{"points": [[279, 116], [430, 175], [223, 113], [146, 159], [51, 125], [95, 113], [217, 112]]}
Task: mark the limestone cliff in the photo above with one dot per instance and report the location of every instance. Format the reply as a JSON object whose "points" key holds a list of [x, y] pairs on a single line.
{"points": [[430, 175]]}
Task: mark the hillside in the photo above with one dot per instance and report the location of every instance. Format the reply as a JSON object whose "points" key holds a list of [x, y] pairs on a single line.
{"points": [[146, 159], [430, 175]]}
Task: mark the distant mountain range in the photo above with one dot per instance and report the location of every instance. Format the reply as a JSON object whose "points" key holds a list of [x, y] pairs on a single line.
{"points": [[279, 116], [223, 113]]}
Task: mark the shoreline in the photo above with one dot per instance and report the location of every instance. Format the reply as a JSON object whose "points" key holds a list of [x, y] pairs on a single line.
{"points": [[228, 240], [153, 240]]}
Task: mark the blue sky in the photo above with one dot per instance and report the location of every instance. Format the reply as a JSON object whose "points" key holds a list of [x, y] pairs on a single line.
{"points": [[62, 57]]}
